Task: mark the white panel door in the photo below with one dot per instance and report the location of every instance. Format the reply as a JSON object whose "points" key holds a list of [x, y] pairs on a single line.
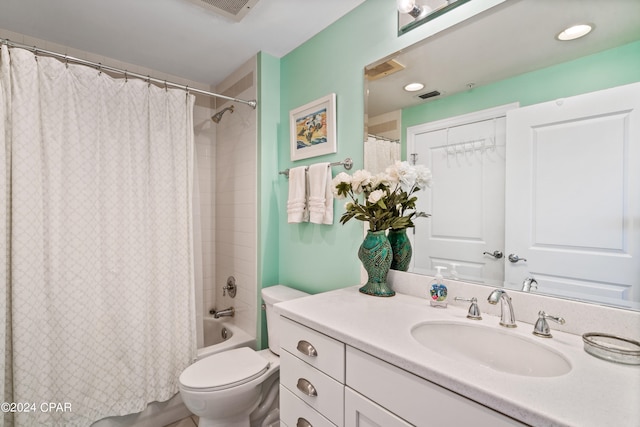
{"points": [[573, 195], [466, 155]]}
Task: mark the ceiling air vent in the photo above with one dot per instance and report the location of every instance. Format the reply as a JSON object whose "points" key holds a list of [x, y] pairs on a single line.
{"points": [[383, 69], [429, 94], [234, 9]]}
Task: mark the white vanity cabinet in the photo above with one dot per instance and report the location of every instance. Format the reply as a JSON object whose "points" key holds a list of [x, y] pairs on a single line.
{"points": [[311, 377], [325, 383], [418, 401]]}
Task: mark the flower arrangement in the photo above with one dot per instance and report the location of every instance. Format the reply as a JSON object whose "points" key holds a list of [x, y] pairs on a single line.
{"points": [[388, 196]]}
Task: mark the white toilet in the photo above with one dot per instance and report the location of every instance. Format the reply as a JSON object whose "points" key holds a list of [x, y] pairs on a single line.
{"points": [[237, 388]]}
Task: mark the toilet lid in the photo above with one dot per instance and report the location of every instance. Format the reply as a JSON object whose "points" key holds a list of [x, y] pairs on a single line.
{"points": [[224, 370]]}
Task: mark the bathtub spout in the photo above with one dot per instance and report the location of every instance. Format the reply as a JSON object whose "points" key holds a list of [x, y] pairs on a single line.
{"points": [[227, 312]]}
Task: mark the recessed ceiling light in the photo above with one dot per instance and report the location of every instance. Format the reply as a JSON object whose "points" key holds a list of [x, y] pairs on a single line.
{"points": [[412, 87], [575, 32]]}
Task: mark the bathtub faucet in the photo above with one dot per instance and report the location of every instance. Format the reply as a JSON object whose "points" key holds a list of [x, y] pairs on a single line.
{"points": [[227, 312]]}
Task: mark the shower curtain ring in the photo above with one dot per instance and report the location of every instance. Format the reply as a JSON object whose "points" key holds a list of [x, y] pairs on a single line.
{"points": [[148, 81], [126, 76], [66, 61], [99, 68]]}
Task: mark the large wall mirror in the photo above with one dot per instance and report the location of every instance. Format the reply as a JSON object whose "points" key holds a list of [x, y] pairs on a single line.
{"points": [[530, 139]]}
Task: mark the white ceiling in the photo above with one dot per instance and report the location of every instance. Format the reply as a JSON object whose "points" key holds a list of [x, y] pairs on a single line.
{"points": [[513, 38], [173, 36]]}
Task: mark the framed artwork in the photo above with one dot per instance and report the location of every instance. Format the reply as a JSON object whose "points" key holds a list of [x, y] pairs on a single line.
{"points": [[313, 128]]}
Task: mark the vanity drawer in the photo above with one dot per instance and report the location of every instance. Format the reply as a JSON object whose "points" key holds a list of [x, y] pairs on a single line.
{"points": [[316, 389], [315, 348], [294, 412], [418, 400]]}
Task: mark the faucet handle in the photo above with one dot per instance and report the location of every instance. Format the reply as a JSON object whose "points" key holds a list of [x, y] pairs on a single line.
{"points": [[474, 310], [231, 287], [541, 327]]}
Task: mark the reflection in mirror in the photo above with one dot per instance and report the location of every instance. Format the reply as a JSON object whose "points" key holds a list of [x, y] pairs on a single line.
{"points": [[488, 62], [382, 144], [467, 155]]}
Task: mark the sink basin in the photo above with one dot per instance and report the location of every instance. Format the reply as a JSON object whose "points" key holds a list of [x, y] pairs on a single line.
{"points": [[496, 349]]}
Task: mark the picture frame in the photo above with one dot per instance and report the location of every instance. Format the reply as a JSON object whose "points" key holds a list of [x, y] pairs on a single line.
{"points": [[313, 128]]}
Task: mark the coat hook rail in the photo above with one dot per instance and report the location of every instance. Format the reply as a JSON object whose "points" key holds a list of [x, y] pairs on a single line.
{"points": [[347, 163]]}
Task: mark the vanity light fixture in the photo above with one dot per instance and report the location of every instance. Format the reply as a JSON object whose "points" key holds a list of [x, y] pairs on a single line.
{"points": [[575, 32], [412, 87], [416, 11], [422, 11]]}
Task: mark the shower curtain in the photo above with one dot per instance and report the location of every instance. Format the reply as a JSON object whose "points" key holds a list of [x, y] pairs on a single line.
{"points": [[380, 153], [97, 265]]}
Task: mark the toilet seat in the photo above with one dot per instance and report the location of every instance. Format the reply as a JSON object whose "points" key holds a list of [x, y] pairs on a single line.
{"points": [[224, 370]]}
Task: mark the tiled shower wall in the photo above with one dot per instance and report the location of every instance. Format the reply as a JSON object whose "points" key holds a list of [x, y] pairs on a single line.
{"points": [[236, 199], [204, 207]]}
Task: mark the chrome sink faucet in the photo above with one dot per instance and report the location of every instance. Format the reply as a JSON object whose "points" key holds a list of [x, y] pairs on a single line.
{"points": [[507, 317], [530, 284], [227, 312]]}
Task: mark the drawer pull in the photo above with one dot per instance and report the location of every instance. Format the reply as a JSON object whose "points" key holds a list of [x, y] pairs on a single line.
{"points": [[306, 348], [303, 423], [306, 387]]}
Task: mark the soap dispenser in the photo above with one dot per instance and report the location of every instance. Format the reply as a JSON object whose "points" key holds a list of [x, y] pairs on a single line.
{"points": [[438, 290]]}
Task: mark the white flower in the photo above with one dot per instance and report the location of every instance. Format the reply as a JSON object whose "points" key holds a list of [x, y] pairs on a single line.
{"points": [[409, 176], [359, 180], [341, 178], [423, 177], [392, 172], [381, 178], [375, 196]]}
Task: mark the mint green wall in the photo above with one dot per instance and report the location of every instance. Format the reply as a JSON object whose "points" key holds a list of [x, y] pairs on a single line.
{"points": [[268, 212], [312, 257]]}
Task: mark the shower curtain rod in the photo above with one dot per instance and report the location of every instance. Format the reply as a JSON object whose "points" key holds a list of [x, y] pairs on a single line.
{"points": [[101, 67]]}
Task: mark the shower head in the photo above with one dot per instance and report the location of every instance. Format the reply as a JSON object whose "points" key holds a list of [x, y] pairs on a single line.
{"points": [[217, 116]]}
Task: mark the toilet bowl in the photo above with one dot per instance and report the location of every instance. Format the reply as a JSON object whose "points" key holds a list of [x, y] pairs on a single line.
{"points": [[238, 387]]}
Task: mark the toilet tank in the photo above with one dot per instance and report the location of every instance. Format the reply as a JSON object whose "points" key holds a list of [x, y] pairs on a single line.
{"points": [[271, 296]]}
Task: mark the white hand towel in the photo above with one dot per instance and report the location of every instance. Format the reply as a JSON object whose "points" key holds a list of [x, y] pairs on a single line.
{"points": [[297, 204], [320, 194]]}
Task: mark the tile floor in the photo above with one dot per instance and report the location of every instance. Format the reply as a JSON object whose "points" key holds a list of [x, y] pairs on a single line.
{"points": [[191, 421]]}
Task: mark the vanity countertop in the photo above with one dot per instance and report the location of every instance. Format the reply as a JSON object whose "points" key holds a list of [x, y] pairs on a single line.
{"points": [[594, 393]]}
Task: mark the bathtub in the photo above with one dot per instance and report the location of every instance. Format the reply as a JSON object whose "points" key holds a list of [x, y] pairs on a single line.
{"points": [[219, 335]]}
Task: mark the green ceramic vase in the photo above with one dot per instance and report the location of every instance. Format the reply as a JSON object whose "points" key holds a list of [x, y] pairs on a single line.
{"points": [[401, 247], [376, 256]]}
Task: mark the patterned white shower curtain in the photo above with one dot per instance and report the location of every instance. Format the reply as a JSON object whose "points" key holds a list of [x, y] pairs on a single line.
{"points": [[100, 247], [380, 153]]}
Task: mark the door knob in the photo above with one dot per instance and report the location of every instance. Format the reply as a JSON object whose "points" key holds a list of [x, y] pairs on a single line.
{"points": [[495, 254], [516, 258]]}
